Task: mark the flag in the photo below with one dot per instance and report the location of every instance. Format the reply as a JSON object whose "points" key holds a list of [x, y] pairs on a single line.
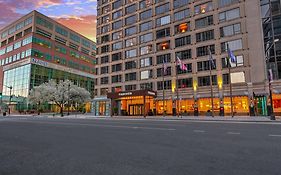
{"points": [[165, 67], [211, 60], [181, 64], [231, 55]]}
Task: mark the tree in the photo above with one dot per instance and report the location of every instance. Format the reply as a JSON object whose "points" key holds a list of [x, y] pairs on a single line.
{"points": [[62, 93]]}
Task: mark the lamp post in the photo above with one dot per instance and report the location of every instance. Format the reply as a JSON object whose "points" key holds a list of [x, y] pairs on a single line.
{"points": [[10, 99], [270, 79]]}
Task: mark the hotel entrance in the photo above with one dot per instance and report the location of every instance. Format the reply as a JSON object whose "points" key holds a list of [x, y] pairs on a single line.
{"points": [[133, 103]]}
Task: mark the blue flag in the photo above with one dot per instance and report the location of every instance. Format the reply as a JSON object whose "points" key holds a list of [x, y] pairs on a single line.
{"points": [[231, 55]]}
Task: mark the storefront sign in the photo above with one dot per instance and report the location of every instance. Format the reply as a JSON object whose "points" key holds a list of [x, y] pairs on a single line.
{"points": [[39, 62], [116, 95], [151, 93], [125, 93]]}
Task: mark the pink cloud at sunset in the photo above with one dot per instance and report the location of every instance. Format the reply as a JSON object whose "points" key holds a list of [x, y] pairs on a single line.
{"points": [[78, 15]]}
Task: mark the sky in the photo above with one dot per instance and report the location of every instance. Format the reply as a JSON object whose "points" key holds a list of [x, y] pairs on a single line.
{"points": [[78, 15]]}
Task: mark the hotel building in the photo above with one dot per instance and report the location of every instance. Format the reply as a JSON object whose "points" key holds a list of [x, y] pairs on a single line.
{"points": [[35, 49], [135, 37]]}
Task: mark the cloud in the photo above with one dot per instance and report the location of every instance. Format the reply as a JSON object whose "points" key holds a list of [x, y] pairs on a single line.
{"points": [[85, 25]]}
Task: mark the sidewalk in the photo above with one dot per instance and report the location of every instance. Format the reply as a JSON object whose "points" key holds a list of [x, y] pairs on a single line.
{"points": [[194, 118]]}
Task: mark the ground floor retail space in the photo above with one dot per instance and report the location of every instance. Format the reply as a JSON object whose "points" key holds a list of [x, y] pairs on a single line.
{"points": [[140, 103]]}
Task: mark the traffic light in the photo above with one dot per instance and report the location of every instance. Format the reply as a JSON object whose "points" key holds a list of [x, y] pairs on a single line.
{"points": [[1, 95]]}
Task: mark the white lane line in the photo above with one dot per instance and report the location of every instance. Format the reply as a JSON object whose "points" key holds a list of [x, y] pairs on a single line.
{"points": [[100, 125], [198, 131], [233, 133], [274, 135]]}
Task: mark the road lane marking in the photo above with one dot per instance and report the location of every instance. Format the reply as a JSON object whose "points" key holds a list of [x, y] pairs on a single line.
{"points": [[274, 135], [100, 125], [198, 131], [233, 133]]}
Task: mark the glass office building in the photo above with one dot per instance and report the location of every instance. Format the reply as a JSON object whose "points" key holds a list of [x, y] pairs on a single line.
{"points": [[36, 49]]}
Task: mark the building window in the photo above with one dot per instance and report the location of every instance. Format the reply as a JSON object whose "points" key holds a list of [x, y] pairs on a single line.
{"points": [[116, 79], [181, 15], [104, 38], [184, 83], [145, 62], [182, 28], [117, 35], [131, 76], [116, 56], [204, 22], [146, 49], [131, 9], [146, 38], [117, 25], [104, 70], [185, 54], [166, 58], [130, 65], [233, 45], [116, 67], [182, 41], [160, 72], [131, 20], [167, 85], [146, 26], [105, 29], [205, 65], [117, 14], [204, 50], [117, 46], [146, 74], [203, 8], [162, 33], [103, 91], [146, 14], [130, 31], [146, 86], [180, 3], [229, 15], [162, 9], [105, 49], [131, 42], [131, 53], [104, 80], [205, 36], [189, 69], [223, 3], [104, 59], [163, 21], [205, 81], [145, 3], [230, 30], [163, 45], [130, 87], [239, 62], [117, 4]]}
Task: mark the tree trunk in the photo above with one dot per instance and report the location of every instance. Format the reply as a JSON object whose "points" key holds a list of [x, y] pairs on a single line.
{"points": [[61, 110]]}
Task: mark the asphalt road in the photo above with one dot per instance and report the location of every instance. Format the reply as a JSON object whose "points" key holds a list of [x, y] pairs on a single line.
{"points": [[138, 147]]}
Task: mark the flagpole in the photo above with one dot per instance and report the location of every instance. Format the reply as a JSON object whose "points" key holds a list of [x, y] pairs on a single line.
{"points": [[230, 84], [177, 102], [163, 75], [211, 82]]}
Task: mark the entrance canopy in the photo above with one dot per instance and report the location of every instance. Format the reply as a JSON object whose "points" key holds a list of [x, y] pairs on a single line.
{"points": [[119, 95]]}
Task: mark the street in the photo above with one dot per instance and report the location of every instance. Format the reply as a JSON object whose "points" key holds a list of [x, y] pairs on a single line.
{"points": [[44, 146]]}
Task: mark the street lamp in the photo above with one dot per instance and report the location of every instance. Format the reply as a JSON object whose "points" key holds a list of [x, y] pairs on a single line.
{"points": [[270, 79], [10, 99]]}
